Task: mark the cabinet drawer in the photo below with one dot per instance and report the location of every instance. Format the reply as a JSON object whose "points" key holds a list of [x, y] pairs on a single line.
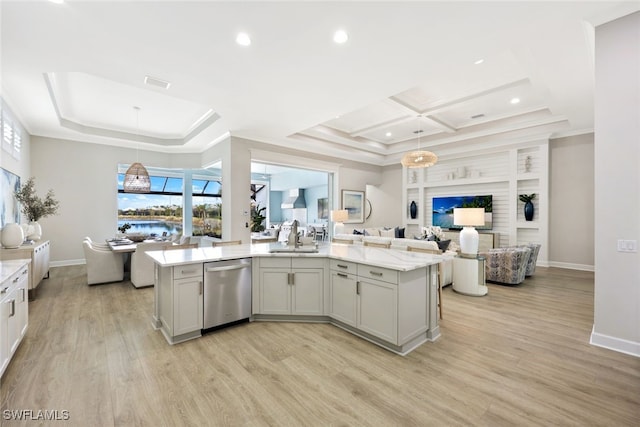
{"points": [[308, 262], [344, 266], [377, 273], [188, 270], [275, 262]]}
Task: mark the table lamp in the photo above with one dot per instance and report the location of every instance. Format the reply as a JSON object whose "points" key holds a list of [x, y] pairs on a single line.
{"points": [[339, 217], [468, 218]]}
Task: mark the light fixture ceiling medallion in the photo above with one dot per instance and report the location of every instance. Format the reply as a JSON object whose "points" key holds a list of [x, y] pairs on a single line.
{"points": [[136, 179], [419, 158]]}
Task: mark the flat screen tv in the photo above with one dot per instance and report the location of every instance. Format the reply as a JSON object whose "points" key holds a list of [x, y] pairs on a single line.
{"points": [[443, 210]]}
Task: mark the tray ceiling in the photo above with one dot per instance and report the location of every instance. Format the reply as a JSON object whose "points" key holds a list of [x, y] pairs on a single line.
{"points": [[408, 74]]}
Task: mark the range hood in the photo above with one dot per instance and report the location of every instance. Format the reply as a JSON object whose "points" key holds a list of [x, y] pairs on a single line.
{"points": [[294, 200]]}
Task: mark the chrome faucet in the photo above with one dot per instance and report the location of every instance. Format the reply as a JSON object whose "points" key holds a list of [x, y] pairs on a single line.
{"points": [[293, 235]]}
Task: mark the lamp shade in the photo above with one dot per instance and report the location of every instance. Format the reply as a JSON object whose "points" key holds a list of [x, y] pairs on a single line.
{"points": [[468, 217], [136, 179], [339, 215], [419, 159]]}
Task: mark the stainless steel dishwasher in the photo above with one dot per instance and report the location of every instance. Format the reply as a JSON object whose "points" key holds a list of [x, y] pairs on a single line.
{"points": [[227, 292]]}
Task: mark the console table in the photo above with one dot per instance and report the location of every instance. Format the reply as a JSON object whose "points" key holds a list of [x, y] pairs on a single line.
{"points": [[39, 254]]}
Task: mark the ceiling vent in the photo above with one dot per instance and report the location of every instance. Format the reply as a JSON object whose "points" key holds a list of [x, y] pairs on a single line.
{"points": [[152, 81]]}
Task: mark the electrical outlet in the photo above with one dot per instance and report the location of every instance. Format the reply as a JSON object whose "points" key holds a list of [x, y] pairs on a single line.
{"points": [[627, 245]]}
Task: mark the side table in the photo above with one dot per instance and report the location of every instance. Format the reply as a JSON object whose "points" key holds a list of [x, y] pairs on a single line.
{"points": [[469, 276]]}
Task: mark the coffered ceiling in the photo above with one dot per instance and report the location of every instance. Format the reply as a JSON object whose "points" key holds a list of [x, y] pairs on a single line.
{"points": [[442, 75]]}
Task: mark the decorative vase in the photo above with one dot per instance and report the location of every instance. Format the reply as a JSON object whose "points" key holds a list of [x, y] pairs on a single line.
{"points": [[528, 211], [413, 210], [12, 236], [35, 231]]}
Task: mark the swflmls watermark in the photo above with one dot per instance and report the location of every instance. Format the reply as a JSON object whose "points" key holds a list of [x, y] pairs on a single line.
{"points": [[35, 414]]}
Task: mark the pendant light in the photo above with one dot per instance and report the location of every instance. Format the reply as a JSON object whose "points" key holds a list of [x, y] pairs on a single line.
{"points": [[136, 179], [419, 158]]}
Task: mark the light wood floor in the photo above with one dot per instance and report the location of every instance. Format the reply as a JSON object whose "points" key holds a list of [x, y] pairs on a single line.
{"points": [[518, 356]]}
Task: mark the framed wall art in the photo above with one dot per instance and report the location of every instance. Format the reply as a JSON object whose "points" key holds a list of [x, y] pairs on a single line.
{"points": [[9, 207], [353, 203]]}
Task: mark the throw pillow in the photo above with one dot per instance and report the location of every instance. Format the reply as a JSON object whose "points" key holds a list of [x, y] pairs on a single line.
{"points": [[399, 233], [431, 238], [443, 245], [358, 231], [371, 232], [388, 233]]}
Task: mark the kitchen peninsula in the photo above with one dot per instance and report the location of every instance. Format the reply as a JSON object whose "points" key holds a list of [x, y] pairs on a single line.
{"points": [[385, 296]]}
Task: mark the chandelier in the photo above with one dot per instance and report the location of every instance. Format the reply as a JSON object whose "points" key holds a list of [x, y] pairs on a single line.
{"points": [[136, 179], [419, 158]]}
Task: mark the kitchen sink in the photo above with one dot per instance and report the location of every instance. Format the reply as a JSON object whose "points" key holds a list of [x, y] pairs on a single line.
{"points": [[298, 250]]}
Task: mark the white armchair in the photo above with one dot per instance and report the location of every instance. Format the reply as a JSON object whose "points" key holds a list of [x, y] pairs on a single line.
{"points": [[142, 266], [103, 265]]}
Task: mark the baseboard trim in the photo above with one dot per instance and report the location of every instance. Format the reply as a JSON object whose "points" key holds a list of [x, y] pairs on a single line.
{"points": [[67, 262], [616, 344], [571, 266]]}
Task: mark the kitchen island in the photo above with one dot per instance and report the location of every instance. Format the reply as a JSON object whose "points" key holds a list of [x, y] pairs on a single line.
{"points": [[385, 296]]}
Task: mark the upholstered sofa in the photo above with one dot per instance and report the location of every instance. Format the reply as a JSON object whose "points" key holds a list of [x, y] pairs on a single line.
{"points": [[506, 265]]}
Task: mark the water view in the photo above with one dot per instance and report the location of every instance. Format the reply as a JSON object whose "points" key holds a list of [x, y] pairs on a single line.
{"points": [[151, 227]]}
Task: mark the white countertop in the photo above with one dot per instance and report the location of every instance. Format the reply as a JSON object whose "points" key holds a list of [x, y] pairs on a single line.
{"points": [[7, 268], [387, 258]]}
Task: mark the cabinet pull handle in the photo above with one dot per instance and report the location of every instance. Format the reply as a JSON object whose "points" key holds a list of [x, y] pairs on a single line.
{"points": [[342, 275], [24, 291], [16, 279], [13, 308], [357, 288], [188, 271], [4, 290], [342, 266], [291, 280], [375, 273], [201, 286]]}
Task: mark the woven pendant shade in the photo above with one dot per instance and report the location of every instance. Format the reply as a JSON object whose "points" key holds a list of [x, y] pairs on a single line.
{"points": [[419, 159], [137, 180]]}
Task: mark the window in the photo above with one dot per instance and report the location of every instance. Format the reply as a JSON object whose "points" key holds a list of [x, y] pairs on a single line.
{"points": [[11, 136], [162, 209]]}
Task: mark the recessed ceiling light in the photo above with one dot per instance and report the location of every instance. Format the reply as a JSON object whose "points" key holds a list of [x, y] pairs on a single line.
{"points": [[388, 134], [515, 100], [243, 39], [479, 61], [340, 37]]}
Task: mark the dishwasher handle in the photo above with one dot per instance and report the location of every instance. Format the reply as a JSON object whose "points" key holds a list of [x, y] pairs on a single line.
{"points": [[227, 268]]}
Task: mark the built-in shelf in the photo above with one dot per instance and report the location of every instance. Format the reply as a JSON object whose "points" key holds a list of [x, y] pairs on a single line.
{"points": [[505, 172], [528, 224], [527, 176], [468, 181]]}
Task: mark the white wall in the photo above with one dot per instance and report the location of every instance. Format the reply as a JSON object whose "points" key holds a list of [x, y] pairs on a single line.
{"points": [[571, 202], [385, 199], [617, 184], [83, 177]]}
